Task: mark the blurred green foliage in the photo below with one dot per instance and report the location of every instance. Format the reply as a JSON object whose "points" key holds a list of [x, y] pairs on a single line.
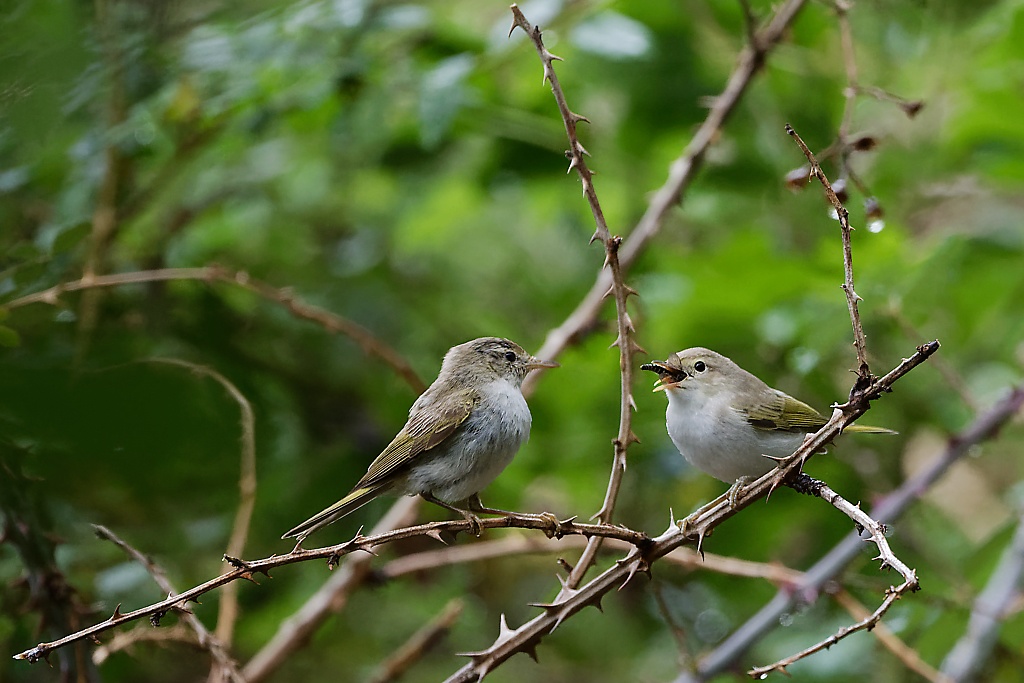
{"points": [[401, 165]]}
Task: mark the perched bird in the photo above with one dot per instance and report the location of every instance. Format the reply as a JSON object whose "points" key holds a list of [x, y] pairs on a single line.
{"points": [[724, 420], [462, 432]]}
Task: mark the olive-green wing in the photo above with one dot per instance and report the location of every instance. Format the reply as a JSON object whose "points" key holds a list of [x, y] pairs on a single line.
{"points": [[781, 412], [424, 430]]}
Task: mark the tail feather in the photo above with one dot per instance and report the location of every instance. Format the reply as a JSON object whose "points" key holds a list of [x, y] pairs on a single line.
{"points": [[349, 503], [868, 429]]}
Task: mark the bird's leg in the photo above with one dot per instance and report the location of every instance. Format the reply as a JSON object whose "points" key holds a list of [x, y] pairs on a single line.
{"points": [[736, 489], [474, 522], [474, 504]]}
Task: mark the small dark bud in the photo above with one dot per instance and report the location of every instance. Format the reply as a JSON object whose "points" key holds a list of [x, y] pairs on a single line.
{"points": [[839, 187], [797, 178], [912, 109], [872, 209]]}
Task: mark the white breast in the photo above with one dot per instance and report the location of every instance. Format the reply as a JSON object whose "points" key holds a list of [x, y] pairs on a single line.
{"points": [[478, 451], [718, 440]]}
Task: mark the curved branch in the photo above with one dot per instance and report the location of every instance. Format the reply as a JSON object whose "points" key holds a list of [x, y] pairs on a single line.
{"points": [[371, 345]]}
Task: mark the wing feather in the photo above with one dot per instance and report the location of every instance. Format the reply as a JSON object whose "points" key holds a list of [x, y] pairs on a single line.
{"points": [[424, 430], [782, 412]]}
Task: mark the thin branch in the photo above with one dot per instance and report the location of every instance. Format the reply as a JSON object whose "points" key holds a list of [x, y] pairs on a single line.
{"points": [[179, 633], [207, 640], [693, 529], [681, 173], [242, 569], [295, 631], [907, 655], [890, 507], [228, 605], [371, 345], [876, 531], [842, 8], [968, 657], [625, 331], [859, 340], [421, 642]]}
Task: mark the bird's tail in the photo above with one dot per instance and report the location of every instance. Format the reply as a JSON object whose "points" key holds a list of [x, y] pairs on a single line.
{"points": [[350, 503], [868, 429]]}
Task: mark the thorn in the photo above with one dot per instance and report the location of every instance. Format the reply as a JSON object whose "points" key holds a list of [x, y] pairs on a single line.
{"points": [[577, 118], [552, 57], [117, 613], [583, 150], [436, 535], [503, 630], [595, 237]]}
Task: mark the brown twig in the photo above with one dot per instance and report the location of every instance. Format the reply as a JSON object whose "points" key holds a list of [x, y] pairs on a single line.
{"points": [[370, 344], [207, 640], [681, 174], [419, 644], [242, 569], [228, 605], [859, 339], [842, 8], [178, 633], [691, 530], [295, 631], [618, 289]]}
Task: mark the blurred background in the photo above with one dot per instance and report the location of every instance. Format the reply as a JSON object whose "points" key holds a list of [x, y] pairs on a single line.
{"points": [[401, 165]]}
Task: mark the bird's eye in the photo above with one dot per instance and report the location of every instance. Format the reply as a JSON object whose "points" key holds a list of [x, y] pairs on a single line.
{"points": [[510, 356], [699, 366]]}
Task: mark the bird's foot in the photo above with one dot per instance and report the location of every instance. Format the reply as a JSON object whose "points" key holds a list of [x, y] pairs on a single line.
{"points": [[736, 489], [475, 525]]}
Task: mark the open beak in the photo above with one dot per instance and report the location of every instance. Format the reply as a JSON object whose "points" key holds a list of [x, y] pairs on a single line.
{"points": [[668, 377], [537, 363]]}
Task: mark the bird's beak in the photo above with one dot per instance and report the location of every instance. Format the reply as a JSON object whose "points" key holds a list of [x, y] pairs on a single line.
{"points": [[668, 377], [536, 364]]}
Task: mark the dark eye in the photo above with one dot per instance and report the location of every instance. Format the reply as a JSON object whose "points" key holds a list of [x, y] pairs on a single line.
{"points": [[699, 366], [510, 356]]}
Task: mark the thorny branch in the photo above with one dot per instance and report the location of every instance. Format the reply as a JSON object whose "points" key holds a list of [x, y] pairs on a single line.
{"points": [[681, 173], [984, 428], [332, 322], [693, 529], [228, 612], [296, 630], [859, 340], [876, 531], [242, 569], [206, 640], [619, 290]]}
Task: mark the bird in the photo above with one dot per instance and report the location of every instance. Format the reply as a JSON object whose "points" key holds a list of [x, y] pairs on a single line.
{"points": [[461, 433], [725, 421]]}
